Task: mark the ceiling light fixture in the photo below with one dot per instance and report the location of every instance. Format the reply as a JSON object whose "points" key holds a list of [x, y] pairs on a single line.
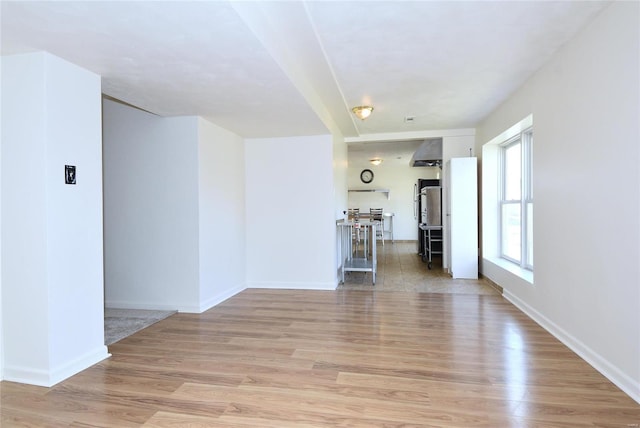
{"points": [[376, 161], [362, 112]]}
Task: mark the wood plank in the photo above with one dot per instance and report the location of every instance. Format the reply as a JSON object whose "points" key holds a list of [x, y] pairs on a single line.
{"points": [[378, 357]]}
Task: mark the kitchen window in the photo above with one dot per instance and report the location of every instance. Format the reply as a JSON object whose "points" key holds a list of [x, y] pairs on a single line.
{"points": [[516, 200]]}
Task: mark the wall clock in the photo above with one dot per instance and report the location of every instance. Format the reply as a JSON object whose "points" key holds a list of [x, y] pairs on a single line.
{"points": [[366, 176]]}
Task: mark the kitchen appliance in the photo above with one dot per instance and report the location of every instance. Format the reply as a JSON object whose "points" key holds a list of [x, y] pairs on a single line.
{"points": [[429, 153], [462, 216], [431, 206], [427, 208]]}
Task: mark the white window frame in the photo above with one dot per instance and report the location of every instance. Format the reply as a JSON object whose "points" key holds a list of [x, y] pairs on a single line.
{"points": [[525, 138]]}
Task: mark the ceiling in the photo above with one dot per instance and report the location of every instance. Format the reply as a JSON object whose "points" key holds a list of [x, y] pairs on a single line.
{"points": [[270, 69], [393, 153]]}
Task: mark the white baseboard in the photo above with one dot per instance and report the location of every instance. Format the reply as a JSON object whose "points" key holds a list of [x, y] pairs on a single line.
{"points": [[611, 372], [45, 378], [151, 306], [219, 298], [293, 285], [191, 309]]}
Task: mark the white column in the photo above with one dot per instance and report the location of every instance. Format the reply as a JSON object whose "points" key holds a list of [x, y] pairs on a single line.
{"points": [[52, 304]]}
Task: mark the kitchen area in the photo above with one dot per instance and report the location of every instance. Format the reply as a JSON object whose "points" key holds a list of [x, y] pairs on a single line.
{"points": [[407, 180]]}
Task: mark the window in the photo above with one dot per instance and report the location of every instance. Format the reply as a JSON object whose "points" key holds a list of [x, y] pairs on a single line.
{"points": [[516, 200]]}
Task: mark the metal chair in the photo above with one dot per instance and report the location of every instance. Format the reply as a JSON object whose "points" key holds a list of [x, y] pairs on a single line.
{"points": [[375, 215], [353, 215]]}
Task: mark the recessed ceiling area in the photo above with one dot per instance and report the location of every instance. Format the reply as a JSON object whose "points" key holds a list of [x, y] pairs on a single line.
{"points": [[270, 68], [393, 153]]}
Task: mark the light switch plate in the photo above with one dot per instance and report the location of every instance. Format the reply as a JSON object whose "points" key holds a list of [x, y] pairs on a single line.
{"points": [[70, 174]]}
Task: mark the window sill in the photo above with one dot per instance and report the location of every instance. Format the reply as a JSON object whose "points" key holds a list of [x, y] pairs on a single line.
{"points": [[513, 268]]}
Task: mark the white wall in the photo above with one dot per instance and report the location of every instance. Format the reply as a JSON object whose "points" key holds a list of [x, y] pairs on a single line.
{"points": [[585, 108], [221, 214], [291, 232], [174, 211], [1, 330], [74, 212], [24, 214], [340, 173], [52, 279], [151, 213]]}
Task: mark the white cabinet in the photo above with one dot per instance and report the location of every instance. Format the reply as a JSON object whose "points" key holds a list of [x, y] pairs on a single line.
{"points": [[462, 211]]}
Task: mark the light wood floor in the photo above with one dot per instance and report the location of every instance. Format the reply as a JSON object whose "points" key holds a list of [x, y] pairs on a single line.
{"points": [[345, 358]]}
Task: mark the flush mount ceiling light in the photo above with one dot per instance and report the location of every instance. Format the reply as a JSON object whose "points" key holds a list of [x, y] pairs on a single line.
{"points": [[376, 161], [362, 112]]}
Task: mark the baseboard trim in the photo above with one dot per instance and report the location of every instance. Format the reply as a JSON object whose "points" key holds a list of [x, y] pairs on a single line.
{"points": [[493, 284], [293, 285], [50, 378], [119, 304], [191, 309], [219, 298], [611, 372]]}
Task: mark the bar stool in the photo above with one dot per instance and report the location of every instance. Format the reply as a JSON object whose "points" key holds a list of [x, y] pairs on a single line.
{"points": [[353, 215], [388, 220], [375, 215]]}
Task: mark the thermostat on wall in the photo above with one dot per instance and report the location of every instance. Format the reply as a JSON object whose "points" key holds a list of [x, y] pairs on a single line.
{"points": [[70, 174]]}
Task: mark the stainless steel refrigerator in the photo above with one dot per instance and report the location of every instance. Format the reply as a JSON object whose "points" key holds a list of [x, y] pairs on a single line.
{"points": [[427, 207], [431, 206]]}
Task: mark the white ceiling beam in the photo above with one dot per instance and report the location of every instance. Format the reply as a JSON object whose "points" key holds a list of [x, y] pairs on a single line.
{"points": [[410, 135], [286, 32]]}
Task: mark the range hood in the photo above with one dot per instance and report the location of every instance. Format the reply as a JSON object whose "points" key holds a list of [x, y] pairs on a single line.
{"points": [[429, 153]]}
